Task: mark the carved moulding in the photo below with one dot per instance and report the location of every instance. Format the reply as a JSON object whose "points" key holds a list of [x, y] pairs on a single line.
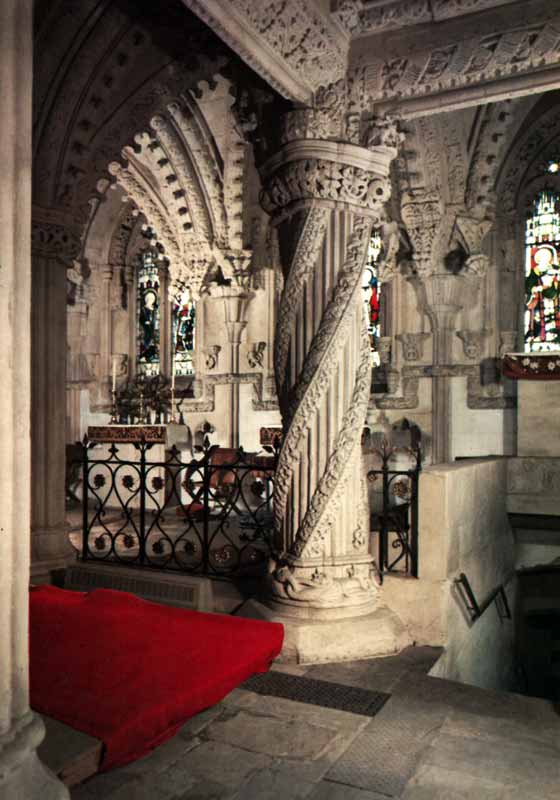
{"points": [[293, 46], [359, 17], [513, 47]]}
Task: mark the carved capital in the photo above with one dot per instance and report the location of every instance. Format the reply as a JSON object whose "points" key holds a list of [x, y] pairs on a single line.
{"points": [[311, 171], [422, 219]]}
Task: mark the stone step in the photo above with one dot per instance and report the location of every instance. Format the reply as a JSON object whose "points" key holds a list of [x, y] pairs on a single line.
{"points": [[73, 756]]}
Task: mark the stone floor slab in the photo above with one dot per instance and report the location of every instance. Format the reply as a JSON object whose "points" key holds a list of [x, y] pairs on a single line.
{"points": [[224, 764], [434, 783], [271, 784], [327, 790], [295, 739]]}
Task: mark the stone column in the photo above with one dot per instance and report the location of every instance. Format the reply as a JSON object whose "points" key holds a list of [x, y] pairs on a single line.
{"points": [[55, 244], [236, 300], [22, 775], [324, 196], [106, 332]]}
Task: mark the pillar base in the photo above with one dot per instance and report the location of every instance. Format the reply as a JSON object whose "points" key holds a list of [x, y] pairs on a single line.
{"points": [[379, 633], [50, 550], [22, 774]]}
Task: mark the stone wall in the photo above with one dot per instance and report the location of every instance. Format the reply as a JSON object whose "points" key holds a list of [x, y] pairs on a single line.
{"points": [[463, 527]]}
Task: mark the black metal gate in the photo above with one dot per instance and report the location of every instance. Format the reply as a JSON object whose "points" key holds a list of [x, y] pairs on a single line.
{"points": [[395, 523], [210, 515]]}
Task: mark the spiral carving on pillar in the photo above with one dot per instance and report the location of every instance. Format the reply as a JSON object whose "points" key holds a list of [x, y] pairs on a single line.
{"points": [[326, 206]]}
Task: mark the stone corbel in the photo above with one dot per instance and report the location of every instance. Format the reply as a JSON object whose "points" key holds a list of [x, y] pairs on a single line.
{"points": [[212, 356], [256, 355], [508, 342], [413, 345], [473, 342], [236, 266]]}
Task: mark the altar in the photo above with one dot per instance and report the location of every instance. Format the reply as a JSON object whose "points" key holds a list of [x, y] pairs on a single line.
{"points": [[538, 400], [116, 452]]}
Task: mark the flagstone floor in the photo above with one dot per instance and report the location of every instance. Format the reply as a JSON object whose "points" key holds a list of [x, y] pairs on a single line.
{"points": [[432, 740]]}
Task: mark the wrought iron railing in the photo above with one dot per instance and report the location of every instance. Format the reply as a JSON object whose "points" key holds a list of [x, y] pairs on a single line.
{"points": [[210, 515], [394, 512]]}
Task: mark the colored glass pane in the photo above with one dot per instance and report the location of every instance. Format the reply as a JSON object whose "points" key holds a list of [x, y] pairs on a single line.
{"points": [[542, 274], [371, 288], [183, 319], [148, 316]]}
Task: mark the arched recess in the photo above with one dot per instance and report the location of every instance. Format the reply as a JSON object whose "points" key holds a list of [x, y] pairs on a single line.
{"points": [[522, 174], [103, 71]]}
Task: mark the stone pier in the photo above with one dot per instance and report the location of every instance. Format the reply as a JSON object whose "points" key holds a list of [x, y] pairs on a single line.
{"points": [[22, 775]]}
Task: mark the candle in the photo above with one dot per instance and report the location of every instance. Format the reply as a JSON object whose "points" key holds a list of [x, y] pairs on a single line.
{"points": [[173, 375], [114, 374]]}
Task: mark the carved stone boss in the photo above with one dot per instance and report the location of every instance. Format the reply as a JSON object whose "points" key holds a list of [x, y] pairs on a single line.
{"points": [[325, 196]]}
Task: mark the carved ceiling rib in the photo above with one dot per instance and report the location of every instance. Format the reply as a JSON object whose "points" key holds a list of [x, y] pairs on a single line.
{"points": [[538, 137], [190, 131]]}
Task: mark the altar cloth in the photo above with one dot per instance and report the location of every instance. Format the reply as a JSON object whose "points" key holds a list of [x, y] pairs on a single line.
{"points": [[131, 672]]}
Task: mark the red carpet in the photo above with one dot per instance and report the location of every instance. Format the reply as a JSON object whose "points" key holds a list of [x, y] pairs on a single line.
{"points": [[130, 672]]}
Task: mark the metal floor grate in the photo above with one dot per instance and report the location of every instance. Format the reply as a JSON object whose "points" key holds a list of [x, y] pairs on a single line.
{"points": [[317, 693]]}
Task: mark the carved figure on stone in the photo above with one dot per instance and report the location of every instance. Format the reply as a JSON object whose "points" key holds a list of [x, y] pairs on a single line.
{"points": [[256, 355], [212, 355], [413, 345], [472, 342]]}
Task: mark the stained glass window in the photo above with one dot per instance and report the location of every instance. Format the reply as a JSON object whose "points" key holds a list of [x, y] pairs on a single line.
{"points": [[542, 274], [372, 295], [148, 315], [183, 319]]}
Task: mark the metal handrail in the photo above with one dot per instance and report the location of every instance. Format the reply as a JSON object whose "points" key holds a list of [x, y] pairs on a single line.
{"points": [[475, 610]]}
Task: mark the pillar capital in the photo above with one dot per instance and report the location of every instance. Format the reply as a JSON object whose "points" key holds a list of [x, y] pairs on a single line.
{"points": [[318, 172]]}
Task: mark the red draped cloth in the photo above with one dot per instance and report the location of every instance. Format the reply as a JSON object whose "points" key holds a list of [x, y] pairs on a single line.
{"points": [[131, 672]]}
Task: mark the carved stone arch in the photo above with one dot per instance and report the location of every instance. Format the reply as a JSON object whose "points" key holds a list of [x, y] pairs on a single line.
{"points": [[106, 89], [536, 138], [176, 159], [207, 160], [147, 201]]}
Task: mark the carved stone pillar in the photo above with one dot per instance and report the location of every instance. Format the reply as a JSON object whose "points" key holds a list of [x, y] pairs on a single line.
{"points": [[22, 775], [324, 196], [55, 245]]}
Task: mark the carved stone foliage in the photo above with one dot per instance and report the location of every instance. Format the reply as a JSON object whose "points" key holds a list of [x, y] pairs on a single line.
{"points": [[422, 218], [290, 44], [325, 180], [360, 17], [516, 44]]}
